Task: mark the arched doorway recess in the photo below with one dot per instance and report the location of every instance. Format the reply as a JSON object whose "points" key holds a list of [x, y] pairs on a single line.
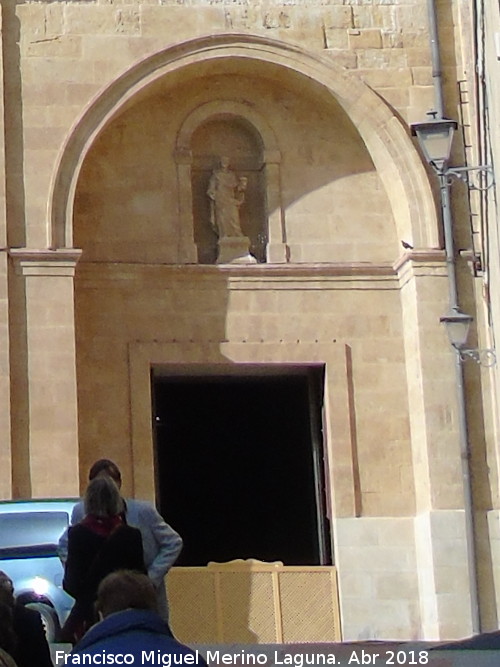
{"points": [[395, 159]]}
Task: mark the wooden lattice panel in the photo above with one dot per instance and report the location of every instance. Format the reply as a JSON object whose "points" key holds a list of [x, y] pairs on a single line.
{"points": [[308, 601], [192, 604], [248, 609], [249, 602]]}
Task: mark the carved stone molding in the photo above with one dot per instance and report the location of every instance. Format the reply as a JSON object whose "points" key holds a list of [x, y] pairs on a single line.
{"points": [[45, 262]]}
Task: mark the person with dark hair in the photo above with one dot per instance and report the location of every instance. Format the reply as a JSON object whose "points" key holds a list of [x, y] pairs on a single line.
{"points": [[8, 639], [106, 467], [161, 543], [126, 590], [23, 637], [98, 545], [131, 626]]}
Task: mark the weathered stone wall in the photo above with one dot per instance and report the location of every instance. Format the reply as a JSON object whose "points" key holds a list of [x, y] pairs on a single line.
{"points": [[347, 187], [126, 206], [63, 54], [58, 57], [311, 314]]}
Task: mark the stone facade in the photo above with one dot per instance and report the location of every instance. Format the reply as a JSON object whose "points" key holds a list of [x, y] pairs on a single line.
{"points": [[484, 150], [112, 114]]}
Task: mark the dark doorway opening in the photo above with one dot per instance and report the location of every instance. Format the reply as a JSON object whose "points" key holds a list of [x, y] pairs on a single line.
{"points": [[240, 464]]}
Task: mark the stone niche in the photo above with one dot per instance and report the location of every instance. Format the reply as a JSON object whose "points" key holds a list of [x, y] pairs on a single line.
{"points": [[229, 130], [235, 138]]}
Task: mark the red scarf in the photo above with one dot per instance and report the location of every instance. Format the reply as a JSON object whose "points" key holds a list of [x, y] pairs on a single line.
{"points": [[102, 525]]}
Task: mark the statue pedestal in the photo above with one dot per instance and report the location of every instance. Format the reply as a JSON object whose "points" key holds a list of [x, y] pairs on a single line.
{"points": [[235, 250]]}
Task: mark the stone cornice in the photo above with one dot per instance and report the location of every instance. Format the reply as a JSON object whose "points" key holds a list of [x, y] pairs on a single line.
{"points": [[45, 262], [424, 262], [114, 270], [258, 271], [341, 275], [420, 256]]}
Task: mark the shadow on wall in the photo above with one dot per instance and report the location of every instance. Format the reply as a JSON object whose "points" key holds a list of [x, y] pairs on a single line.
{"points": [[127, 199]]}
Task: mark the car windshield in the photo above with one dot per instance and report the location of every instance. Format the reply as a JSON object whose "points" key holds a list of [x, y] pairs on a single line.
{"points": [[31, 533]]}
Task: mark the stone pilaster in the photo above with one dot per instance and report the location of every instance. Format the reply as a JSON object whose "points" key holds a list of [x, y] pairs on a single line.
{"points": [[5, 433], [187, 248], [50, 372], [276, 246], [5, 397], [440, 535]]}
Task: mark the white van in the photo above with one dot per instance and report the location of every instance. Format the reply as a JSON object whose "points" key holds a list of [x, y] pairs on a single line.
{"points": [[29, 535]]}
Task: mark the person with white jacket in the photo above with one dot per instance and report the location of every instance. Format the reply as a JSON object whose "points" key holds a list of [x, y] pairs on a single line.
{"points": [[161, 543]]}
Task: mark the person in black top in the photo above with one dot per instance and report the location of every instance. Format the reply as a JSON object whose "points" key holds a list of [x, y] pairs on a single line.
{"points": [[24, 636], [99, 544]]}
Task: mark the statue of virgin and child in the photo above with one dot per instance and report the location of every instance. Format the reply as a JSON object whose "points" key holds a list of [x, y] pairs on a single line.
{"points": [[226, 191]]}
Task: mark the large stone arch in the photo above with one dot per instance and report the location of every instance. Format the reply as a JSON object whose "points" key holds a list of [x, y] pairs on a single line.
{"points": [[386, 138]]}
